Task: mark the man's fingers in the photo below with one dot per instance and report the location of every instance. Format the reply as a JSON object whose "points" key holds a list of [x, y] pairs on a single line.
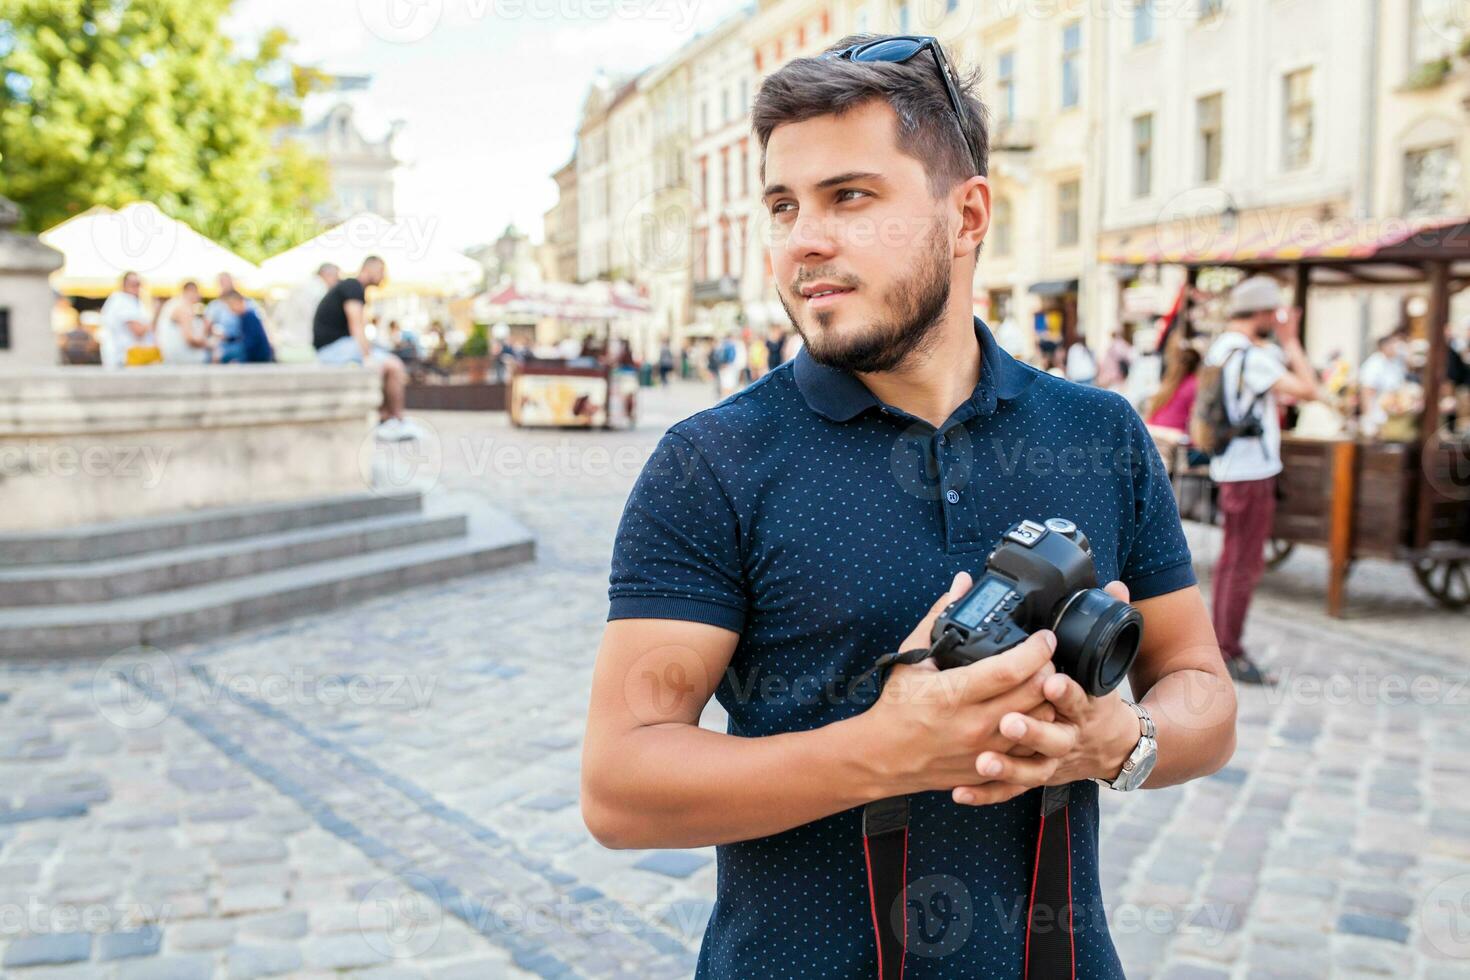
{"points": [[984, 679], [1117, 590], [1049, 738], [1032, 771], [1066, 695], [987, 794]]}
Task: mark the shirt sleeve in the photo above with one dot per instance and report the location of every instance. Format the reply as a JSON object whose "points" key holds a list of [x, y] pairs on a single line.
{"points": [[352, 289], [677, 553], [1263, 368], [1157, 560]]}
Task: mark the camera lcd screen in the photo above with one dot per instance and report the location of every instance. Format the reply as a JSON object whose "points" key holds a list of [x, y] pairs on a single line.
{"points": [[980, 602]]}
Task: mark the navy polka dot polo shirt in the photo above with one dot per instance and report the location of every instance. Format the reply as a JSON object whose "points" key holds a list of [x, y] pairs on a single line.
{"points": [[820, 524]]}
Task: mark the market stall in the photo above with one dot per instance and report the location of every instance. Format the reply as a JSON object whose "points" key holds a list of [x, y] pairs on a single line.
{"points": [[1358, 497], [596, 388]]}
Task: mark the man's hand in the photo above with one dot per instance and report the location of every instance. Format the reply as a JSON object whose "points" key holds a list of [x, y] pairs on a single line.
{"points": [[1289, 332], [928, 725], [1091, 738]]}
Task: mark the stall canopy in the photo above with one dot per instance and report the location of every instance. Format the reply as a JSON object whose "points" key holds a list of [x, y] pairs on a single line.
{"points": [[1384, 252], [417, 263], [574, 302], [101, 244]]}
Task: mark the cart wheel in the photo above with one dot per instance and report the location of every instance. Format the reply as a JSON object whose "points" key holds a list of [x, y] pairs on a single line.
{"points": [[1277, 551], [1447, 580]]}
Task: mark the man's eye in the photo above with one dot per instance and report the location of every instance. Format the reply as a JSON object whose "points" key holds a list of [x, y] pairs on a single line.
{"points": [[780, 206], [850, 190]]}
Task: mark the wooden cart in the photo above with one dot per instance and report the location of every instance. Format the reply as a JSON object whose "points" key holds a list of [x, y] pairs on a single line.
{"points": [[1407, 502]]}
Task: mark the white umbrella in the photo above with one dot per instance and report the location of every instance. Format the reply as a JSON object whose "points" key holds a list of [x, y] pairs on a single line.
{"points": [[416, 263], [101, 244]]}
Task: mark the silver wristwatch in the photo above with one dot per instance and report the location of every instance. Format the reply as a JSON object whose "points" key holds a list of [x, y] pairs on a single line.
{"points": [[1141, 762]]}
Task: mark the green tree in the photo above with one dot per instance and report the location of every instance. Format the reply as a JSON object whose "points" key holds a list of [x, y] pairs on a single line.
{"points": [[115, 101]]}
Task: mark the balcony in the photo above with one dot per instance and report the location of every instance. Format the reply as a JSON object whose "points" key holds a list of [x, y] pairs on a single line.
{"points": [[717, 290], [1014, 136]]}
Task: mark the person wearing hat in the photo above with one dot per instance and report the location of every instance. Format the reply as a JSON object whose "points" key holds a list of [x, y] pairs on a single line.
{"points": [[1254, 373]]}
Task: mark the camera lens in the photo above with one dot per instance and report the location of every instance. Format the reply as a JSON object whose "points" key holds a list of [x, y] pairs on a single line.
{"points": [[1097, 640]]}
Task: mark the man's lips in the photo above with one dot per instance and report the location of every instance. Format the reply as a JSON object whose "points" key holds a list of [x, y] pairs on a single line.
{"points": [[826, 296]]}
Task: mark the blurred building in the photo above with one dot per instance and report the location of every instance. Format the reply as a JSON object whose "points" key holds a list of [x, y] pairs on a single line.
{"points": [[559, 227], [347, 131], [594, 197]]}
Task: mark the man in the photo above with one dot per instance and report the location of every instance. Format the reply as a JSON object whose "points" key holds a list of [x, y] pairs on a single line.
{"points": [[776, 545], [125, 325], [1385, 372], [339, 334], [181, 335], [223, 323], [251, 344], [1254, 374], [775, 346]]}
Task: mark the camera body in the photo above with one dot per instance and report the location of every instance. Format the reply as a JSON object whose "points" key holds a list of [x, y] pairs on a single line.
{"points": [[1041, 576]]}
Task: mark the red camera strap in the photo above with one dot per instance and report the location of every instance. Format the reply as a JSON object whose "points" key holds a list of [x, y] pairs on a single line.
{"points": [[1051, 946]]}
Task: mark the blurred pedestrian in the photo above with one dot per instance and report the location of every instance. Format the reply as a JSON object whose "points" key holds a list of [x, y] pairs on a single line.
{"points": [[1117, 360], [775, 347], [127, 330], [1253, 373], [339, 334], [1080, 365], [665, 362], [182, 337]]}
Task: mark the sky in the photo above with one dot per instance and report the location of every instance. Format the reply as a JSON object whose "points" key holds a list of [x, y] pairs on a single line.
{"points": [[490, 90]]}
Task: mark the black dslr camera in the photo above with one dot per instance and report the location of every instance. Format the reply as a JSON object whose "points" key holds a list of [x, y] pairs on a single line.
{"points": [[1041, 576]]}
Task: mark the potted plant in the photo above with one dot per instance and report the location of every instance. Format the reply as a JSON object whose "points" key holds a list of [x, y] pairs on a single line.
{"points": [[474, 354]]}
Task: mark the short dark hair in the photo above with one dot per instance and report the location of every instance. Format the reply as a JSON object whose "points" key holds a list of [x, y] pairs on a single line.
{"points": [[810, 87]]}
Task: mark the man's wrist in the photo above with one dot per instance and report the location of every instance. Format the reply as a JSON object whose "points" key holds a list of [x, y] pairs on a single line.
{"points": [[1125, 731], [861, 759]]}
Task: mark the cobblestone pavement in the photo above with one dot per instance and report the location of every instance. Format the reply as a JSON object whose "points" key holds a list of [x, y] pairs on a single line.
{"points": [[390, 790]]}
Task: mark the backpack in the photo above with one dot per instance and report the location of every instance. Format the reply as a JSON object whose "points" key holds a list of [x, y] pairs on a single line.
{"points": [[1210, 427]]}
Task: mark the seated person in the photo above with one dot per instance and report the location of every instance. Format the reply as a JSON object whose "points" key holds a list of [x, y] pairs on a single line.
{"points": [[251, 345]]}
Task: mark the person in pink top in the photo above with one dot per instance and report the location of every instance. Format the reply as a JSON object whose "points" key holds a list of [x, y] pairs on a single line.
{"points": [[1170, 407]]}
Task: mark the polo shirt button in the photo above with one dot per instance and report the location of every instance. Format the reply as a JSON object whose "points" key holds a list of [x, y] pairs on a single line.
{"points": [[944, 440], [953, 496]]}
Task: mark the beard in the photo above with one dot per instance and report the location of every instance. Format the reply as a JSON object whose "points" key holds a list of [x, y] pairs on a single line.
{"points": [[913, 310]]}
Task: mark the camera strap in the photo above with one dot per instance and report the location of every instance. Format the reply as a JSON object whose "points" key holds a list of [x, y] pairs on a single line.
{"points": [[1050, 944]]}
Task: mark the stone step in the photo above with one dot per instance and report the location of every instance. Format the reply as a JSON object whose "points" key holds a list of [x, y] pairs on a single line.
{"points": [[161, 571], [101, 542], [493, 540]]}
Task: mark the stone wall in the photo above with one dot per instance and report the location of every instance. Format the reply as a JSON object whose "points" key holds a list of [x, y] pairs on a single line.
{"points": [[83, 444]]}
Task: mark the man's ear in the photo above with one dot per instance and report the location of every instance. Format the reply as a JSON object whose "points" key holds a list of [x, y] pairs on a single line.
{"points": [[972, 200]]}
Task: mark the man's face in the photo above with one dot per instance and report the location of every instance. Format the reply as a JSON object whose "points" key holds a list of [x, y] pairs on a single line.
{"points": [[132, 284], [191, 294], [1263, 324], [852, 214], [226, 283], [373, 274]]}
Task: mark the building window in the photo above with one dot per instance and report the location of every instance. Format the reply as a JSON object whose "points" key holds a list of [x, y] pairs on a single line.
{"points": [[1209, 112], [1071, 64], [704, 117], [703, 180], [724, 105], [1432, 181], [1298, 120], [1143, 155], [1211, 8], [950, 6], [4, 328], [1143, 21], [744, 168], [903, 18], [862, 21], [725, 173], [744, 96], [740, 251], [1000, 227], [1069, 213], [1005, 80], [1435, 29]]}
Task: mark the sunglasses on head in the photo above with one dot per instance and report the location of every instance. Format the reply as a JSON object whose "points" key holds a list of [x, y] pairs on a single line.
{"points": [[900, 48]]}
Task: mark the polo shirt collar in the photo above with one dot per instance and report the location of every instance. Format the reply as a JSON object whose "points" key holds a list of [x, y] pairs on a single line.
{"points": [[839, 395]]}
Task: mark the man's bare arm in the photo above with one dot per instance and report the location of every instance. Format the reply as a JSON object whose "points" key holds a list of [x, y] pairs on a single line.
{"points": [[652, 778], [356, 325]]}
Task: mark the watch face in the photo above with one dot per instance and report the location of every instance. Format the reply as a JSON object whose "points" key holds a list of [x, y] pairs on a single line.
{"points": [[1145, 765]]}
